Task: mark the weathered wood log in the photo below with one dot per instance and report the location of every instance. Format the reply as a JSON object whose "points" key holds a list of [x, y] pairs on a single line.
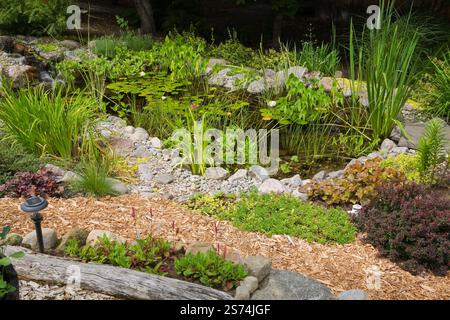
{"points": [[110, 280]]}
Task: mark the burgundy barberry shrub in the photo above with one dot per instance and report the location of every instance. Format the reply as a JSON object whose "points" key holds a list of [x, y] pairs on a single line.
{"points": [[26, 184], [409, 224]]}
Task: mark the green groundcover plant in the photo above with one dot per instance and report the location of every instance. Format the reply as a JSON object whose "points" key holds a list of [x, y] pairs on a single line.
{"points": [[281, 214]]}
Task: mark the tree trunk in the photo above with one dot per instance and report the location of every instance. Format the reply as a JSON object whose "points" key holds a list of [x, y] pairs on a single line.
{"points": [[109, 280], [277, 28], [145, 12]]}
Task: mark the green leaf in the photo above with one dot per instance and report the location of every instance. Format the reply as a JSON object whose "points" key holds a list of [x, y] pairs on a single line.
{"points": [[17, 255], [4, 262]]}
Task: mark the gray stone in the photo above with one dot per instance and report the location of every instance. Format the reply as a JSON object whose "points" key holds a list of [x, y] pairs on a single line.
{"points": [[387, 145], [128, 130], [251, 283], [139, 135], [49, 236], [297, 71], [142, 151], [258, 266], [145, 172], [327, 83], [219, 78], [118, 186], [164, 178], [258, 173], [198, 247], [374, 155], [258, 86], [271, 186], [300, 195], [335, 174], [78, 234], [21, 75], [399, 150], [286, 285], [58, 171], [156, 143], [216, 173], [353, 294], [416, 131], [93, 236], [69, 177], [13, 239], [242, 293], [213, 62], [70, 44], [320, 176], [238, 175]]}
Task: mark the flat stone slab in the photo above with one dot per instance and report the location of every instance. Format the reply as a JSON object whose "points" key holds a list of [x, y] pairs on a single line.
{"points": [[416, 130], [286, 285]]}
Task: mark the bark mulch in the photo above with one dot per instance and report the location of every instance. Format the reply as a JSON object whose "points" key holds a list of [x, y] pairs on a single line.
{"points": [[341, 267]]}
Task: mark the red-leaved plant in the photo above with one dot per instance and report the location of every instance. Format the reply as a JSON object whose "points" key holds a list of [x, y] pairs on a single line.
{"points": [[26, 184], [409, 224]]}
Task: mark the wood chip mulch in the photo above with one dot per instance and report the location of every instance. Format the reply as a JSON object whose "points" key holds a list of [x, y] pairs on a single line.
{"points": [[341, 267]]}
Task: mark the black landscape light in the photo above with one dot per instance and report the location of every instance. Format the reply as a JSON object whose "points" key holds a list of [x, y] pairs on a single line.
{"points": [[33, 206]]}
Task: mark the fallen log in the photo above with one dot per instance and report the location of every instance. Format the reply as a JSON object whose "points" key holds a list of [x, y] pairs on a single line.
{"points": [[110, 280]]}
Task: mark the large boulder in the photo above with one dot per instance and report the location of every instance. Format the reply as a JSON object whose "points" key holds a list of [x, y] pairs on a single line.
{"points": [[49, 236], [271, 186], [286, 285], [416, 131], [258, 266], [78, 234], [94, 235], [21, 75]]}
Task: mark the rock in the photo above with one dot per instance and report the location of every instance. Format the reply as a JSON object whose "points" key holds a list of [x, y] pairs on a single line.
{"points": [[156, 143], [216, 173], [219, 78], [416, 131], [258, 173], [271, 186], [238, 175], [49, 236], [122, 146], [13, 239], [374, 155], [399, 150], [335, 174], [387, 145], [326, 83], [295, 181], [213, 62], [251, 283], [117, 122], [70, 44], [145, 172], [242, 293], [286, 285], [353, 294], [198, 246], [320, 176], [258, 266], [139, 135], [78, 234], [258, 86], [21, 75], [69, 177], [164, 178], [142, 151], [128, 130], [93, 236], [118, 186], [6, 43], [300, 195], [297, 71], [58, 171]]}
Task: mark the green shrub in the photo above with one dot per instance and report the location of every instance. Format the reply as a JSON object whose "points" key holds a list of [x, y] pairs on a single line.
{"points": [[407, 164], [149, 255], [14, 159], [211, 270], [323, 58], [431, 150], [107, 46], [47, 123], [232, 51], [37, 17], [439, 95], [282, 214]]}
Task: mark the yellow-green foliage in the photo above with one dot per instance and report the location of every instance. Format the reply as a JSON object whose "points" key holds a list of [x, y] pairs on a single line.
{"points": [[406, 164]]}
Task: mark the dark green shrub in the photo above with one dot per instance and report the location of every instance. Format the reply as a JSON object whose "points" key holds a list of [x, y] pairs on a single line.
{"points": [[409, 224], [210, 269], [37, 17], [14, 159]]}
